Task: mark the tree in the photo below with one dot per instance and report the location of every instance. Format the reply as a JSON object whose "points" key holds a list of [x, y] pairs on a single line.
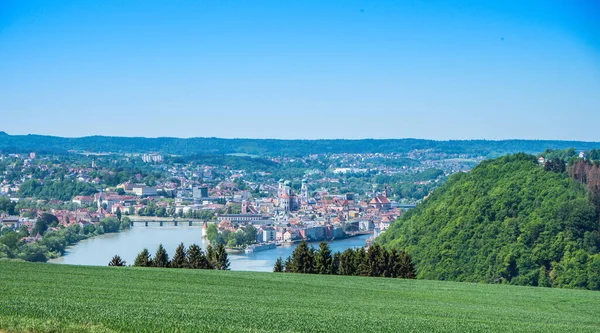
{"points": [[347, 260], [23, 232], [179, 259], [125, 223], [143, 259], [278, 268], [212, 232], [250, 234], [221, 258], [196, 258], [116, 261], [543, 278], [376, 261], [211, 256], [34, 252], [323, 259], [288, 266], [335, 264], [119, 214], [43, 223], [161, 258], [302, 259], [361, 262]]}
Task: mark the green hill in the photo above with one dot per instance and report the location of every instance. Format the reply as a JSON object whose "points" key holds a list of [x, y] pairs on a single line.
{"points": [[61, 298], [508, 220], [274, 147]]}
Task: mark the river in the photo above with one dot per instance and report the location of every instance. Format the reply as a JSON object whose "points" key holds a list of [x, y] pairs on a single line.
{"points": [[98, 251]]}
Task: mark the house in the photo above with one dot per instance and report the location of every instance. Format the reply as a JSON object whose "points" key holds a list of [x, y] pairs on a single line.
{"points": [[143, 190], [268, 235], [380, 202], [83, 200]]}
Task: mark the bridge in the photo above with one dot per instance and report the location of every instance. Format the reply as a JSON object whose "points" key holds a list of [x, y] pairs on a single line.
{"points": [[166, 222]]}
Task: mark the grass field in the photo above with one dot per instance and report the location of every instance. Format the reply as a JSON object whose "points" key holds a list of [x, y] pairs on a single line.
{"points": [[46, 297]]}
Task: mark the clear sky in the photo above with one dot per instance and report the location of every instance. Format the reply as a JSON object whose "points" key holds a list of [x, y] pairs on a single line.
{"points": [[302, 69]]}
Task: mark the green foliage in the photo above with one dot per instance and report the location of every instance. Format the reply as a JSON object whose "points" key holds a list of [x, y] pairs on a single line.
{"points": [[43, 222], [209, 149], [222, 262], [161, 258], [143, 259], [323, 259], [505, 221], [376, 262], [179, 258], [60, 189], [278, 268], [116, 261], [196, 259], [125, 223], [177, 300], [7, 206]]}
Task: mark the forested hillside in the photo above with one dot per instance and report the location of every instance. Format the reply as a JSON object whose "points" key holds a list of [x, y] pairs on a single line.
{"points": [[273, 147], [509, 220]]}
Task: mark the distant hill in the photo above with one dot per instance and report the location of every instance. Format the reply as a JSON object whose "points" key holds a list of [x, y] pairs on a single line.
{"points": [[508, 220], [273, 147]]}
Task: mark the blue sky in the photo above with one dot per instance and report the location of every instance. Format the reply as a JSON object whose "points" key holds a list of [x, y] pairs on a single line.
{"points": [[301, 69]]}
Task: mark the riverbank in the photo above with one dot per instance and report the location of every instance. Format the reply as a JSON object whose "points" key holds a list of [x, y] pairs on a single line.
{"points": [[98, 251]]}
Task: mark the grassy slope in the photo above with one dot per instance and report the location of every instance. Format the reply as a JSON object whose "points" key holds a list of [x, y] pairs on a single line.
{"points": [[45, 297]]}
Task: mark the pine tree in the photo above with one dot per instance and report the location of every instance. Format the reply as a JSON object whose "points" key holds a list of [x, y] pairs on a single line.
{"points": [[196, 258], [347, 260], [323, 259], [377, 261], [143, 259], [179, 259], [288, 266], [161, 258], [302, 259], [335, 264], [116, 261], [211, 256], [278, 268], [119, 214], [221, 258], [407, 269], [361, 262]]}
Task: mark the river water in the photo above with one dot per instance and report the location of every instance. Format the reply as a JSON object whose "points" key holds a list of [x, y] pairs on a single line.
{"points": [[127, 244]]}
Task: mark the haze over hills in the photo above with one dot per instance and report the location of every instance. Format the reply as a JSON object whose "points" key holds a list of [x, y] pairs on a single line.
{"points": [[275, 147]]}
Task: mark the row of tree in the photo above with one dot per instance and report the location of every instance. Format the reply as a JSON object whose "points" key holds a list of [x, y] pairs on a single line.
{"points": [[376, 261], [193, 258]]}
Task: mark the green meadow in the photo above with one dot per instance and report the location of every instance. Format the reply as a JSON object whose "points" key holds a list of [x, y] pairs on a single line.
{"points": [[60, 298]]}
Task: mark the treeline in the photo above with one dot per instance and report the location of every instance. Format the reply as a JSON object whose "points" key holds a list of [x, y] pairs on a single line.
{"points": [[191, 258], [272, 147], [376, 262], [55, 190], [54, 242]]}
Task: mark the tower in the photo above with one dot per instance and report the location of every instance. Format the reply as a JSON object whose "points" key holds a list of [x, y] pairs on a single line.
{"points": [[244, 207], [304, 192]]}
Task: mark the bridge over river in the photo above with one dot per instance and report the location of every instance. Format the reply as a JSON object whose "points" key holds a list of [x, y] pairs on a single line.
{"points": [[153, 222]]}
